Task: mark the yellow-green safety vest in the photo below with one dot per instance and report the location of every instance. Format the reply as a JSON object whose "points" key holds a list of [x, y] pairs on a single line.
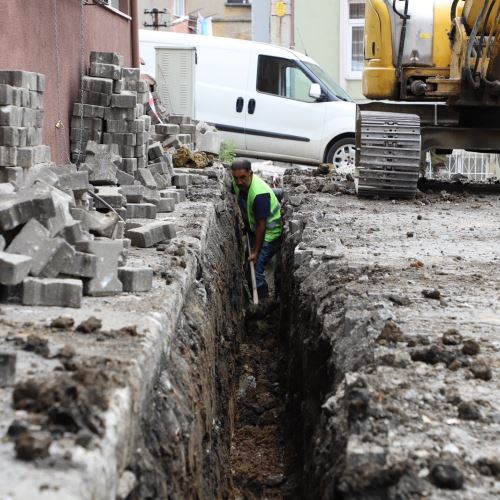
{"points": [[274, 224]]}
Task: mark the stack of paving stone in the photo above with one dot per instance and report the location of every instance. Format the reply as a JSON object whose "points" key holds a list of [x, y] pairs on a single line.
{"points": [[111, 110], [21, 117]]}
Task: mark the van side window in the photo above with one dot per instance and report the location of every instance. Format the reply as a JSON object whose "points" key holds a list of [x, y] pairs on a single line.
{"points": [[282, 77]]}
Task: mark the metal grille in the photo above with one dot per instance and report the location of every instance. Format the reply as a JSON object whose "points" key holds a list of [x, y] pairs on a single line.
{"points": [[476, 166]]}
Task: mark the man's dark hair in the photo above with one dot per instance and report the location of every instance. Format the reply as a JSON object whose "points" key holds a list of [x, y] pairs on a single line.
{"points": [[241, 164]]}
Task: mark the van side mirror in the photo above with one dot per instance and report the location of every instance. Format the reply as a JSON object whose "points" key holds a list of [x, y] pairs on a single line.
{"points": [[315, 91]]}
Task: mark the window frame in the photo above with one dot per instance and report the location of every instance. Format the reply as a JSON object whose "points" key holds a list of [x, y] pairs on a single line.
{"points": [[179, 8], [348, 25], [281, 83]]}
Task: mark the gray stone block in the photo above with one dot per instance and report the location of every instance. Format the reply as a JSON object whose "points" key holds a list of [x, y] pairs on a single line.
{"points": [[62, 257], [133, 193], [179, 119], [127, 151], [188, 128], [15, 211], [151, 195], [37, 118], [30, 156], [14, 268], [129, 165], [120, 114], [16, 175], [88, 111], [167, 129], [30, 117], [8, 156], [101, 173], [107, 58], [155, 151], [19, 78], [162, 181], [180, 180], [87, 123], [85, 135], [184, 138], [109, 194], [33, 136], [171, 194], [100, 85], [11, 116], [141, 163], [72, 232], [9, 95], [140, 151], [104, 70], [122, 126], [141, 211], [136, 279], [136, 85], [166, 205], [95, 98], [7, 368], [2, 243], [126, 99], [124, 178], [150, 234], [77, 182], [118, 86], [35, 100], [108, 253], [121, 139], [52, 292], [13, 136], [82, 265], [131, 74], [145, 177]]}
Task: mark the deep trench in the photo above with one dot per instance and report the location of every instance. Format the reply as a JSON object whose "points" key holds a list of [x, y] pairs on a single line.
{"points": [[224, 419]]}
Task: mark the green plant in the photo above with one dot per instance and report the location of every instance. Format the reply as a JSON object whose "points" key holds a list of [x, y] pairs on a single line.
{"points": [[226, 152]]}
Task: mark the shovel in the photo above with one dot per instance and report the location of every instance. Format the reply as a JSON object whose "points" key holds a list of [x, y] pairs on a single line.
{"points": [[252, 274]]}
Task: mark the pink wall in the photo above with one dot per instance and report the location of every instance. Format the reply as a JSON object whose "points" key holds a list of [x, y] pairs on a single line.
{"points": [[27, 41]]}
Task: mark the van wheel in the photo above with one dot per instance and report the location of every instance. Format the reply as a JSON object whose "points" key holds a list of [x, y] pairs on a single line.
{"points": [[342, 154]]}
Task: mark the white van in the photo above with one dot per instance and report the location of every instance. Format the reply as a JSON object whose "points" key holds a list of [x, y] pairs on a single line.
{"points": [[271, 102]]}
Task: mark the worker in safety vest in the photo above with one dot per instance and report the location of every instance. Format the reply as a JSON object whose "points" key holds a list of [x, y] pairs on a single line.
{"points": [[261, 212]]}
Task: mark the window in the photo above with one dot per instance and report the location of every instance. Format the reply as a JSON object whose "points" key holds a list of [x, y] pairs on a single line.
{"points": [[283, 78], [179, 8], [355, 26], [238, 2]]}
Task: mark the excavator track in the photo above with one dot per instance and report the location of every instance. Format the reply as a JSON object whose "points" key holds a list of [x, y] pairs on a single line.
{"points": [[387, 154]]}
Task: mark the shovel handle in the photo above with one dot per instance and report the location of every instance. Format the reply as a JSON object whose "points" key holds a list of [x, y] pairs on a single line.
{"points": [[252, 274]]}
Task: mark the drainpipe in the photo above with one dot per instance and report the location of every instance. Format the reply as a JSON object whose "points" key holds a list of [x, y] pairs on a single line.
{"points": [[292, 24], [134, 33]]}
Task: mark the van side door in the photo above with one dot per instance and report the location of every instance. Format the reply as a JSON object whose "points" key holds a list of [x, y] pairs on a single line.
{"points": [[221, 90], [282, 119]]}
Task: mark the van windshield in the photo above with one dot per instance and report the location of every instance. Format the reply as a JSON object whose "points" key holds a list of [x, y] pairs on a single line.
{"points": [[329, 82]]}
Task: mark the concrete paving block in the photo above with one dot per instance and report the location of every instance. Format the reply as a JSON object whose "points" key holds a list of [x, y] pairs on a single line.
{"points": [[188, 128], [72, 232], [16, 175], [96, 98], [8, 156], [120, 114], [145, 177], [122, 126], [181, 194], [14, 268], [111, 195], [118, 86], [167, 129], [37, 118], [159, 167], [151, 195], [172, 194], [102, 173], [162, 181], [136, 279], [141, 163], [104, 70], [150, 234], [11, 116], [30, 156], [43, 199], [100, 85], [180, 180], [126, 99], [19, 78], [172, 142], [88, 110], [77, 182], [87, 123], [9, 95], [125, 178], [2, 243], [33, 136], [127, 139], [127, 151], [184, 138], [82, 265], [35, 100], [166, 205], [108, 253], [85, 135], [131, 74], [52, 292], [29, 117], [143, 97], [155, 151], [15, 211], [141, 211], [61, 258], [140, 151], [133, 193], [107, 58], [13, 136], [129, 165], [209, 142], [7, 368], [179, 119]]}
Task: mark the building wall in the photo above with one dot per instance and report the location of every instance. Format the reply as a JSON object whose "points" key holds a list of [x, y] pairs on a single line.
{"points": [[27, 41], [233, 21], [164, 18]]}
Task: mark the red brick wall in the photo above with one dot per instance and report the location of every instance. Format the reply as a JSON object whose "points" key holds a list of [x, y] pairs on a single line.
{"points": [[27, 42]]}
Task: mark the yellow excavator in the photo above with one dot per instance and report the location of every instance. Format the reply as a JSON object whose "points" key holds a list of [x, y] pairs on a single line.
{"points": [[432, 71]]}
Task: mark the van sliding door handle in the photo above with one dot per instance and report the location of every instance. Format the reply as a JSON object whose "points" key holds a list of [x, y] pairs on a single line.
{"points": [[239, 104], [251, 106]]}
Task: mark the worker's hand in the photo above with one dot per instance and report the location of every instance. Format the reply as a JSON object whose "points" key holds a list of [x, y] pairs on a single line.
{"points": [[253, 256]]}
